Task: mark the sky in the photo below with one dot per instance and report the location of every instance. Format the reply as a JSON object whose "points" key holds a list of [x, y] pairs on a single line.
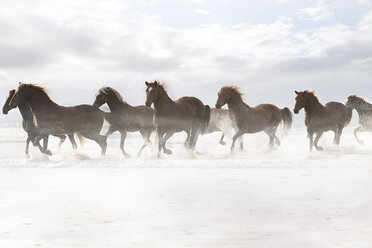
{"points": [[268, 48]]}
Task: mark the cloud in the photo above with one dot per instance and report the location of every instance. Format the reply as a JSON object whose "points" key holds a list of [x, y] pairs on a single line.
{"points": [[76, 47], [318, 12], [201, 11], [365, 2]]}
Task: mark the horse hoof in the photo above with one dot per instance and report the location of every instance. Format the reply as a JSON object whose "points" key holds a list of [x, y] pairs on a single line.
{"points": [[167, 151], [223, 143], [126, 155], [28, 156], [48, 152], [361, 142], [319, 148]]}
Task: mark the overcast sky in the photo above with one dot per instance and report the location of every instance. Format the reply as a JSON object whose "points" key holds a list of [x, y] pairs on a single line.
{"points": [[267, 47]]}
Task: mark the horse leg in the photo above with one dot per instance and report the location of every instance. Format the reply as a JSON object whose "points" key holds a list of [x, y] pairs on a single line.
{"points": [[27, 146], [160, 142], [187, 142], [72, 140], [166, 137], [45, 144], [271, 136], [146, 136], [221, 139], [110, 131], [339, 133], [317, 137], [237, 135], [122, 141], [310, 135], [99, 139], [241, 143], [359, 129]]}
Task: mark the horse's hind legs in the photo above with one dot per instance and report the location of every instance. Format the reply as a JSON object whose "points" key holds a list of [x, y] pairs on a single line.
{"points": [[146, 135], [277, 140], [72, 140], [317, 137], [359, 129], [62, 139]]}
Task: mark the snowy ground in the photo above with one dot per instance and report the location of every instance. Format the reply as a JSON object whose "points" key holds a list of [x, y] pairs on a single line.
{"points": [[286, 197]]}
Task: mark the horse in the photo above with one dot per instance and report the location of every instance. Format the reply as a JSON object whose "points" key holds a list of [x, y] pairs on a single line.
{"points": [[30, 128], [333, 116], [187, 114], [263, 117], [52, 118], [125, 118], [221, 121], [364, 110]]}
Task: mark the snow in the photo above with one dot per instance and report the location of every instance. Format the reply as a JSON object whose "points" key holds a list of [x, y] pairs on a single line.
{"points": [[285, 197]]}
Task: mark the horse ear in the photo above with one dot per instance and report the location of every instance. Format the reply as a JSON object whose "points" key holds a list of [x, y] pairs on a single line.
{"points": [[156, 83], [147, 83], [297, 92]]}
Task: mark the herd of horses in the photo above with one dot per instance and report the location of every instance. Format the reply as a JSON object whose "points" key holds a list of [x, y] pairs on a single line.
{"points": [[43, 117]]}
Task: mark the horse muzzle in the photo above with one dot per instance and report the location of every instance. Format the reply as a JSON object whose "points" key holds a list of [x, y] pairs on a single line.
{"points": [[148, 104], [5, 111], [295, 111], [218, 106]]}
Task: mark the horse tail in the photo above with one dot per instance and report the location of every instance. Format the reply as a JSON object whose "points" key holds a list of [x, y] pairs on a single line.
{"points": [[80, 138], [205, 118], [287, 118], [349, 114]]}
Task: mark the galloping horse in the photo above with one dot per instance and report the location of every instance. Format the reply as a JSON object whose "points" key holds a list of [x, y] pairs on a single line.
{"points": [[52, 118], [334, 116], [30, 128], [125, 118], [364, 110], [264, 117], [187, 114]]}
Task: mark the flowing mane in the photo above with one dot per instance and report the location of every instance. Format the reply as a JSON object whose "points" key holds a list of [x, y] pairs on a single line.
{"points": [[162, 85], [312, 95], [36, 87], [108, 90], [355, 97], [234, 89]]}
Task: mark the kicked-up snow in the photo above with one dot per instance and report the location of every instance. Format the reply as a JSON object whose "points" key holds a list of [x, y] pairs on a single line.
{"points": [[285, 197]]}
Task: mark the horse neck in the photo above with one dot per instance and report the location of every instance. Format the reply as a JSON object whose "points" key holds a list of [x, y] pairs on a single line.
{"points": [[235, 104], [313, 107], [40, 102], [116, 105], [163, 103], [363, 107], [26, 111]]}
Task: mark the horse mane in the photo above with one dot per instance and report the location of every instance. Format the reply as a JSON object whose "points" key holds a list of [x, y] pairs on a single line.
{"points": [[359, 98], [312, 93], [235, 89], [39, 88], [108, 90], [162, 85]]}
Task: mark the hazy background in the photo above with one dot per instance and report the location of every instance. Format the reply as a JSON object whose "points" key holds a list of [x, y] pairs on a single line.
{"points": [[268, 48]]}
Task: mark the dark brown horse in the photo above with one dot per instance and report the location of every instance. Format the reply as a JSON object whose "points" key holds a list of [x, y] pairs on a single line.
{"points": [[30, 128], [364, 110], [126, 118], [52, 118], [264, 117], [187, 114], [333, 116]]}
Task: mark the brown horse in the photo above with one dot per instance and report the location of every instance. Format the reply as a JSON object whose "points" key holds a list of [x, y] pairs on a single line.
{"points": [[364, 110], [187, 114], [334, 116], [264, 117], [30, 128], [126, 118], [52, 118]]}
